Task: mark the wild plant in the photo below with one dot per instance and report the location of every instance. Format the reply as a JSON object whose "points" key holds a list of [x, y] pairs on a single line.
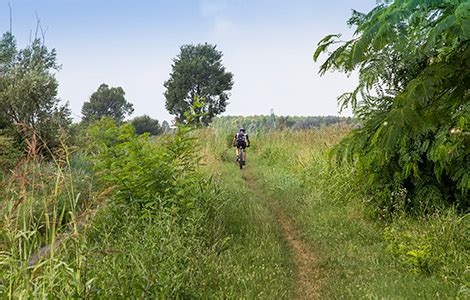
{"points": [[412, 151], [41, 205]]}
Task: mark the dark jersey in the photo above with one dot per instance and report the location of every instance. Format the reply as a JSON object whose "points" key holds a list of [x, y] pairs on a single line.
{"points": [[241, 139]]}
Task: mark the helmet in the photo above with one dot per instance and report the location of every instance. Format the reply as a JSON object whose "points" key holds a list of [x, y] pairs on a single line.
{"points": [[242, 129]]}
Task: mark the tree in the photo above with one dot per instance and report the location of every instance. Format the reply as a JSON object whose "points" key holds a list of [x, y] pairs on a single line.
{"points": [[28, 91], [198, 76], [413, 98], [107, 102], [144, 124], [165, 126]]}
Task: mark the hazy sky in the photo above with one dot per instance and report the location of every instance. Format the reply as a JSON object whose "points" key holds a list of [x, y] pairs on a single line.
{"points": [[267, 45]]}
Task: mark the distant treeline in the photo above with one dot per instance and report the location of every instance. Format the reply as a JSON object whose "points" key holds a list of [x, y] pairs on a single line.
{"points": [[270, 122]]}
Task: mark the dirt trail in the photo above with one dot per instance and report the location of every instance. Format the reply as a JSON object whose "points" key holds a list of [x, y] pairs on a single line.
{"points": [[307, 275]]}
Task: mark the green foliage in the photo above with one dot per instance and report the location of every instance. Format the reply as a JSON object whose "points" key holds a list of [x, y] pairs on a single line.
{"points": [[155, 239], [142, 257], [234, 253], [147, 174], [413, 59], [359, 256], [9, 152], [411, 251], [254, 124], [28, 91], [145, 124], [432, 245], [253, 261], [42, 207], [198, 75], [172, 233], [274, 155], [106, 102]]}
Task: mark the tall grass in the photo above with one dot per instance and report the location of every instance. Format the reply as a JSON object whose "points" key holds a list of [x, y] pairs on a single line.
{"points": [[135, 218], [175, 230], [41, 207], [141, 218], [254, 262], [361, 256]]}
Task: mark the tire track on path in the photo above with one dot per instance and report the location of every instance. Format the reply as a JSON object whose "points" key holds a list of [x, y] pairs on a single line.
{"points": [[307, 274]]}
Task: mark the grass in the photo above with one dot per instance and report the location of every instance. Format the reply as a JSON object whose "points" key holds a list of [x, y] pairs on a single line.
{"points": [[41, 207], [361, 257], [226, 246], [255, 262], [212, 241], [214, 237], [236, 253]]}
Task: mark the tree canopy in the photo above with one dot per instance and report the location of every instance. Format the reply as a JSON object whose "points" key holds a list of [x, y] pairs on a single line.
{"points": [[143, 124], [107, 102], [28, 90], [198, 76], [413, 98]]}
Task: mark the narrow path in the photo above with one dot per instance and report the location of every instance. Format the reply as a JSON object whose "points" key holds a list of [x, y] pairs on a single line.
{"points": [[307, 275]]}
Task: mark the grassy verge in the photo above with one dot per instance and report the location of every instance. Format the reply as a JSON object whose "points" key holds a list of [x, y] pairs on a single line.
{"points": [[226, 246], [236, 253], [360, 257], [173, 230], [42, 207], [254, 262], [166, 230]]}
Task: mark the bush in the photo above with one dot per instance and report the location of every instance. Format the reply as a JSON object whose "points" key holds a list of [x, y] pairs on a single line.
{"points": [[9, 152], [403, 256], [146, 173], [413, 101], [154, 235]]}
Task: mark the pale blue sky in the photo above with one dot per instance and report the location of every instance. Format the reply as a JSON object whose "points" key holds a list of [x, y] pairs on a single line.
{"points": [[268, 45]]}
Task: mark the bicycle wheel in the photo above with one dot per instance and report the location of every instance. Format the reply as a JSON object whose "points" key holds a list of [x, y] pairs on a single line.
{"points": [[240, 159]]}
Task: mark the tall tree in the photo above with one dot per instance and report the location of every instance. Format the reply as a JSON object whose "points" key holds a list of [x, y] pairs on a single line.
{"points": [[413, 98], [198, 82], [145, 124], [107, 102], [28, 90]]}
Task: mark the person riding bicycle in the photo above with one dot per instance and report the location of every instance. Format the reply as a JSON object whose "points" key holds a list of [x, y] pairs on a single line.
{"points": [[241, 140]]}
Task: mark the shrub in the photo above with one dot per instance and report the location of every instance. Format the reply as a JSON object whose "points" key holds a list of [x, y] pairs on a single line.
{"points": [[9, 152], [155, 234], [146, 173], [413, 59]]}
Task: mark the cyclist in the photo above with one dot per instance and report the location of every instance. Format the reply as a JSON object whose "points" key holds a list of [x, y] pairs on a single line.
{"points": [[241, 140]]}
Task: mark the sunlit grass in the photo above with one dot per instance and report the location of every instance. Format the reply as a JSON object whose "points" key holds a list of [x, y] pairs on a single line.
{"points": [[40, 203], [219, 239], [357, 257]]}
